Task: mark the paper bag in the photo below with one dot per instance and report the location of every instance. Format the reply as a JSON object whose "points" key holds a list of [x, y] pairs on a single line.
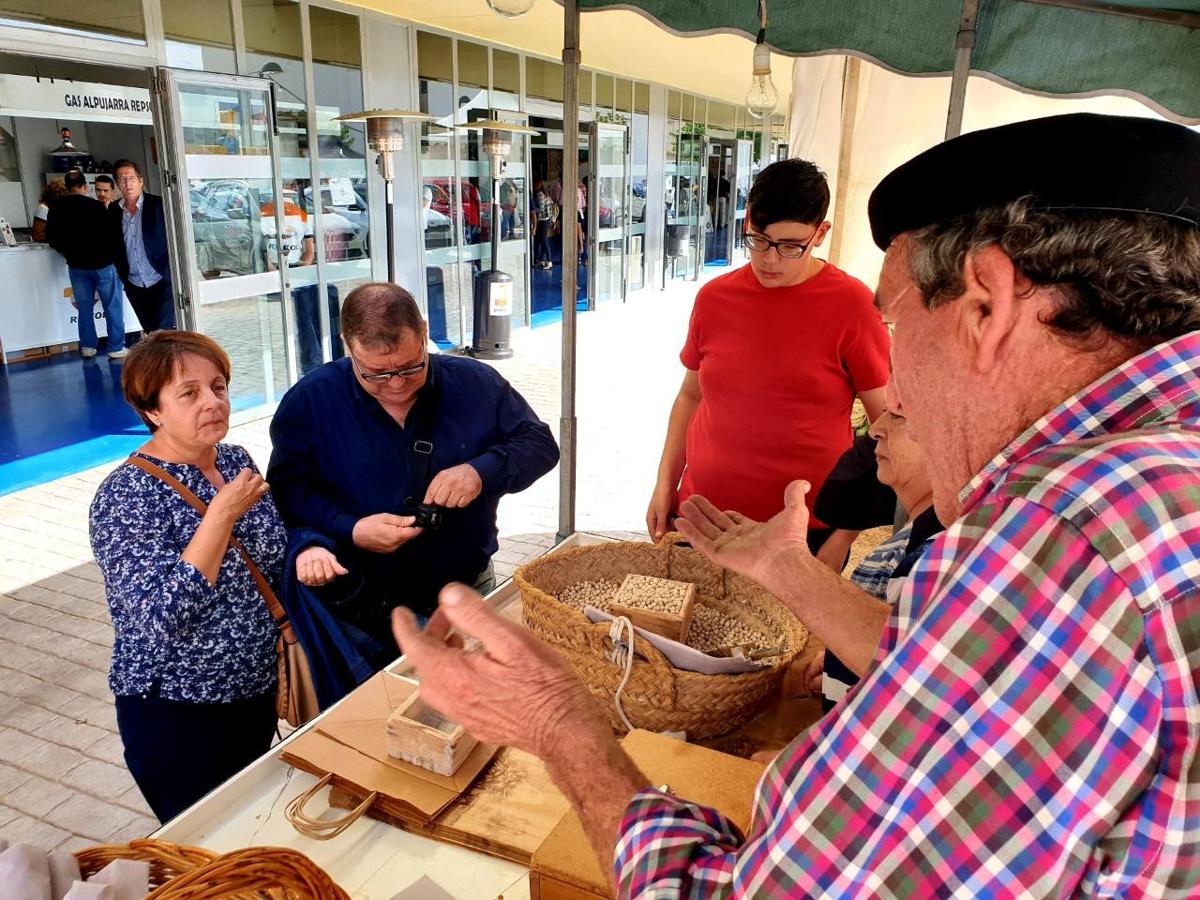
{"points": [[351, 743], [565, 867]]}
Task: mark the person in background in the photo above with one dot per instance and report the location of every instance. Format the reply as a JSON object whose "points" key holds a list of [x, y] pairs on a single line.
{"points": [[78, 228], [144, 263], [359, 442], [194, 660], [544, 211], [899, 465], [105, 189], [776, 353], [53, 191]]}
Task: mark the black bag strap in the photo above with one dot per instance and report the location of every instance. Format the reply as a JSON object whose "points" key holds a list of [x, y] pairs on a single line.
{"points": [[420, 451]]}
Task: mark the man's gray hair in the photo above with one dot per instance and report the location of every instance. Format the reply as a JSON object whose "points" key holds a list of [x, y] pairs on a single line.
{"points": [[1130, 277], [376, 316]]}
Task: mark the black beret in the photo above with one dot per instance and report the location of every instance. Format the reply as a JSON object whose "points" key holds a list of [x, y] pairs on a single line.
{"points": [[1080, 161]]}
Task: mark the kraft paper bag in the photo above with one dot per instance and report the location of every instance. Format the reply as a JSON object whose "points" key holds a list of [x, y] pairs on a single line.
{"points": [[350, 742]]}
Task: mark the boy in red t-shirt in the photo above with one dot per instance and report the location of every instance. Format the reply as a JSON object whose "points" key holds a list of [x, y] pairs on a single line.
{"points": [[776, 353]]}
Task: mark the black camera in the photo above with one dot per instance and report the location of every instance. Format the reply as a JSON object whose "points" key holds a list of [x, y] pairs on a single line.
{"points": [[429, 515]]}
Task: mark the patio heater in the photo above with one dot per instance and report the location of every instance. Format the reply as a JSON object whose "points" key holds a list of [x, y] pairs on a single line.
{"points": [[493, 288], [385, 135]]}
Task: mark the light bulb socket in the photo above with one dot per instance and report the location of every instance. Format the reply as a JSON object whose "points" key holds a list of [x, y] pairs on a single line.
{"points": [[762, 59]]}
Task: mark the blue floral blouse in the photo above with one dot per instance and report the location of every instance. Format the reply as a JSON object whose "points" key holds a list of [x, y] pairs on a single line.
{"points": [[175, 632]]}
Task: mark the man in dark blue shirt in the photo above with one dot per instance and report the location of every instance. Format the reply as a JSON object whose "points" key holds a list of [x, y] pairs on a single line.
{"points": [[361, 441]]}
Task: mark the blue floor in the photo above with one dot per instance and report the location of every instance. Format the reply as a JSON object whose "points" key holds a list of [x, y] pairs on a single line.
{"points": [[62, 415], [546, 292]]}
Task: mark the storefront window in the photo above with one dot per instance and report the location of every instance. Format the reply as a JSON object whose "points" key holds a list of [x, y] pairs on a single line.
{"points": [[543, 79], [339, 205], [639, 157], [441, 209], [199, 36], [506, 80], [604, 93], [112, 19]]}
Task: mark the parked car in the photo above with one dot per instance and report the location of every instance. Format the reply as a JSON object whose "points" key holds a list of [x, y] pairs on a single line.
{"points": [[234, 226]]}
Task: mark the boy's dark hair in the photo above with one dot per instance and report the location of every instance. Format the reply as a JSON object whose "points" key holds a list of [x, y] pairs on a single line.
{"points": [[791, 190], [75, 179]]}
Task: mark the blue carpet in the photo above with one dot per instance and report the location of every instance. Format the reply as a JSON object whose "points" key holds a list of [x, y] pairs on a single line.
{"points": [[64, 414]]}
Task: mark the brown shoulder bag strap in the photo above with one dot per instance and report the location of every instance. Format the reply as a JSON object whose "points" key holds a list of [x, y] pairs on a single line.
{"points": [[264, 588]]}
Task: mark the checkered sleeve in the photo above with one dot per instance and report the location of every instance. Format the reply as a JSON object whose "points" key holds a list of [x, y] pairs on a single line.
{"points": [[671, 848]]}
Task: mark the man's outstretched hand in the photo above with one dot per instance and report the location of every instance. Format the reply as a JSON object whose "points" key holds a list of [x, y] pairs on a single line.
{"points": [[731, 540], [512, 689]]}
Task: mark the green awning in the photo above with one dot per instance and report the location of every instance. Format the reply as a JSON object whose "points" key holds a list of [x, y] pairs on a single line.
{"points": [[1059, 50]]}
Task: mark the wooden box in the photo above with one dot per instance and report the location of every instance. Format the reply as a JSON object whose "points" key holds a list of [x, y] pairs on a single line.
{"points": [[419, 735], [670, 625]]}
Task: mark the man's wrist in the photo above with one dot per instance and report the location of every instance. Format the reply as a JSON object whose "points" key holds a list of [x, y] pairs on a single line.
{"points": [[787, 571]]}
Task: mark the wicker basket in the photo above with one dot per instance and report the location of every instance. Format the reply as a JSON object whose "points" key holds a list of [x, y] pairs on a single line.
{"points": [[658, 697], [191, 873]]}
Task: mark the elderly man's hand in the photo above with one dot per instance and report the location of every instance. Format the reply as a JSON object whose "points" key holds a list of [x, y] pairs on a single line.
{"points": [[743, 545], [384, 532], [454, 487], [513, 690]]}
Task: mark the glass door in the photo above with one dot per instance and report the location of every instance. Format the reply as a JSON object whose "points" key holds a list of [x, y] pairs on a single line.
{"points": [[234, 229], [742, 161], [608, 211]]}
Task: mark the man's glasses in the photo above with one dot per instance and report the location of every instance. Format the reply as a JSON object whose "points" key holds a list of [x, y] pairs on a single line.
{"points": [[786, 249], [385, 377]]}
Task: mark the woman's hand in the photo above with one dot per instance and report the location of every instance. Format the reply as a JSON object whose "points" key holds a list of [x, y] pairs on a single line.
{"points": [[658, 513], [316, 566], [235, 498]]}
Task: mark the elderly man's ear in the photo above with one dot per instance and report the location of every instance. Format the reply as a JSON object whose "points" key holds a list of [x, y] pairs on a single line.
{"points": [[997, 307]]}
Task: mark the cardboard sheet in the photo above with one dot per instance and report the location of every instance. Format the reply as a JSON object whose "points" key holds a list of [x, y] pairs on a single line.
{"points": [[565, 866]]}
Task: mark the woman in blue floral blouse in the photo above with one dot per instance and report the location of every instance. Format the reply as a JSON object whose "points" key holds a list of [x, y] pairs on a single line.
{"points": [[194, 664]]}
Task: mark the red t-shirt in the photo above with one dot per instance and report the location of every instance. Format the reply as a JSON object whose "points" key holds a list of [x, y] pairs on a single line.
{"points": [[779, 369]]}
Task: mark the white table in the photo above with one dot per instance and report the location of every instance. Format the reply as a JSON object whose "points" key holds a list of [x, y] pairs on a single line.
{"points": [[35, 303], [371, 860]]}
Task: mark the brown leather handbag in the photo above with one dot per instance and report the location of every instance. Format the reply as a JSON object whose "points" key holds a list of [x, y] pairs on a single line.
{"points": [[296, 698]]}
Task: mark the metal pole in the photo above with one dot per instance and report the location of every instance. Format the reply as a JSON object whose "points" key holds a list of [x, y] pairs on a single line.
{"points": [[497, 215], [964, 43], [570, 258], [390, 225]]}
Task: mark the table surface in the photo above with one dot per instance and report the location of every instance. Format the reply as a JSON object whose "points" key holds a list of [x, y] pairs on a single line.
{"points": [[375, 861], [371, 860]]}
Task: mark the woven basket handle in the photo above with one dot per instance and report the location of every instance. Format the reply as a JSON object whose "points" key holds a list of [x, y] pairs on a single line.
{"points": [[662, 675], [323, 829]]}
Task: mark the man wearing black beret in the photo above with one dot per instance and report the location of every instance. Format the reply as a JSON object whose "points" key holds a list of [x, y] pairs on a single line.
{"points": [[1031, 724]]}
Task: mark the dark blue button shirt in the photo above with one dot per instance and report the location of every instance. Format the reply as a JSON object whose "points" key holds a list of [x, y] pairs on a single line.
{"points": [[338, 456]]}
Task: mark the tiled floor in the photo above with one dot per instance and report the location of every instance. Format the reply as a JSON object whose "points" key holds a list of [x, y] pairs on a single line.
{"points": [[62, 779]]}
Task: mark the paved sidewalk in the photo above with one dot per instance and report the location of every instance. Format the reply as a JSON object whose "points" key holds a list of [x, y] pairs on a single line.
{"points": [[63, 782]]}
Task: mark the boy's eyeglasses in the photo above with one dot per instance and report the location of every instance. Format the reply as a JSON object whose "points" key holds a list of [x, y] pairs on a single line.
{"points": [[786, 249]]}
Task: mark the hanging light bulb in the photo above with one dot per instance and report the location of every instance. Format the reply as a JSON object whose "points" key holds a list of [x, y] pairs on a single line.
{"points": [[510, 9], [763, 96]]}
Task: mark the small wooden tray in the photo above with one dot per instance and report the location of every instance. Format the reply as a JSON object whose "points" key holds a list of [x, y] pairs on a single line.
{"points": [[672, 626], [419, 735]]}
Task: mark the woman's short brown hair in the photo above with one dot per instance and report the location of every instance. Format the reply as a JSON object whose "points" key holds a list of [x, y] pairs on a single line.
{"points": [[155, 359]]}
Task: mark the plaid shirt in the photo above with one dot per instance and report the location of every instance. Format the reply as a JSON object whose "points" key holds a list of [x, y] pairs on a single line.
{"points": [[1031, 726]]}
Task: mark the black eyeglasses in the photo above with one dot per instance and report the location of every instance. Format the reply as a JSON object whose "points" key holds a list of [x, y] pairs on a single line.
{"points": [[787, 249], [385, 377]]}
